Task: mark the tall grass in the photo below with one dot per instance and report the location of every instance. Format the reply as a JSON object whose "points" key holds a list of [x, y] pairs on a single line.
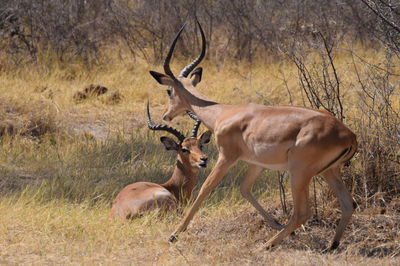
{"points": [[85, 169]]}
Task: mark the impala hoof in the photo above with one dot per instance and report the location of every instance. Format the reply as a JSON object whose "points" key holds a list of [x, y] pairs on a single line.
{"points": [[334, 246], [264, 247], [268, 247], [172, 239]]}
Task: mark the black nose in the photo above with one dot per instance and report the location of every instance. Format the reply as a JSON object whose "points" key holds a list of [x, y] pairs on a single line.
{"points": [[204, 159]]}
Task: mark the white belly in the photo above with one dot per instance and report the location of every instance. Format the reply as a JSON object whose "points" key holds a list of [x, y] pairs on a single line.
{"points": [[162, 194], [279, 167]]}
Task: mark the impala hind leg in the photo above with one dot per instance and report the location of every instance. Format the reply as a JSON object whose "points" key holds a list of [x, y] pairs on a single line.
{"points": [[245, 189], [301, 209], [215, 177], [347, 204]]}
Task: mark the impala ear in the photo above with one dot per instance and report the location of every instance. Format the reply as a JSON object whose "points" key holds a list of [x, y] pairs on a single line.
{"points": [[162, 78], [205, 137], [195, 77], [169, 144]]}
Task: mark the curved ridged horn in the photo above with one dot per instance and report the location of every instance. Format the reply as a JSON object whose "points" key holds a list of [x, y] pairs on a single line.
{"points": [[187, 69], [167, 69], [196, 124], [162, 127]]}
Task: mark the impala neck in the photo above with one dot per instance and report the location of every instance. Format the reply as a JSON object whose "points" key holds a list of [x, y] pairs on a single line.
{"points": [[182, 182], [204, 108]]}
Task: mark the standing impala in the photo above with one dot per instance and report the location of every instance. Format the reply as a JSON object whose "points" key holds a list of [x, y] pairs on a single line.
{"points": [[141, 196], [303, 141]]}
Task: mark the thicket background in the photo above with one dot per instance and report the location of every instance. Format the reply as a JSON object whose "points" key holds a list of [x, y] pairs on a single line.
{"points": [[240, 29]]}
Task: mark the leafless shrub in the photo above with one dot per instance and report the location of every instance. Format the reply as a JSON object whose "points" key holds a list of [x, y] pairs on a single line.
{"points": [[319, 78], [79, 30], [375, 178], [386, 14], [378, 131], [67, 28]]}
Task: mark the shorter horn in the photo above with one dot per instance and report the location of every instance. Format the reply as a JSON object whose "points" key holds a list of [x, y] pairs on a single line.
{"points": [[196, 123], [162, 127]]}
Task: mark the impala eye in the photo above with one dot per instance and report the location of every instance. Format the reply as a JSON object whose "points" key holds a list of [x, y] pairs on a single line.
{"points": [[185, 150], [169, 91]]}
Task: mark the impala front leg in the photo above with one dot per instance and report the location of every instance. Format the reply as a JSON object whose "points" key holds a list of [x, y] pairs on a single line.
{"points": [[245, 188], [212, 180]]}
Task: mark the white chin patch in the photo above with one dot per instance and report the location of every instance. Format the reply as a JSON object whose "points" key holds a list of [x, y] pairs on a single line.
{"points": [[202, 165]]}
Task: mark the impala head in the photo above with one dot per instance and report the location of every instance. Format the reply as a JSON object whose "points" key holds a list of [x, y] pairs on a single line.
{"points": [[189, 149], [188, 78]]}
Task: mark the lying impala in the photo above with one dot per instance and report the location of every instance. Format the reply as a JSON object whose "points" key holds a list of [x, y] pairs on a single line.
{"points": [[141, 196], [303, 141]]}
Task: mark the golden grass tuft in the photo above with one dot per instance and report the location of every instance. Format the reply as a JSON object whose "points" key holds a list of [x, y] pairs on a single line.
{"points": [[27, 118]]}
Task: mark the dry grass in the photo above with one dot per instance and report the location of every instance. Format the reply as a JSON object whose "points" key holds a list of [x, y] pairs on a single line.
{"points": [[59, 232], [57, 185], [24, 119]]}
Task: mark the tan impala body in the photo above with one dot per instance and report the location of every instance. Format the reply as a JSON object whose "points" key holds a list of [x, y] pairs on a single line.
{"points": [[303, 141], [144, 196], [139, 197]]}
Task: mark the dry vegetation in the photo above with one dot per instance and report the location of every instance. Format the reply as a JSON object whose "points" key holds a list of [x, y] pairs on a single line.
{"points": [[68, 145], [58, 187], [229, 233]]}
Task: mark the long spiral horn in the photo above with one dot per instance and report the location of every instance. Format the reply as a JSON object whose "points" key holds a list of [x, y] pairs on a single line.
{"points": [[167, 68], [162, 127], [187, 69], [196, 125]]}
